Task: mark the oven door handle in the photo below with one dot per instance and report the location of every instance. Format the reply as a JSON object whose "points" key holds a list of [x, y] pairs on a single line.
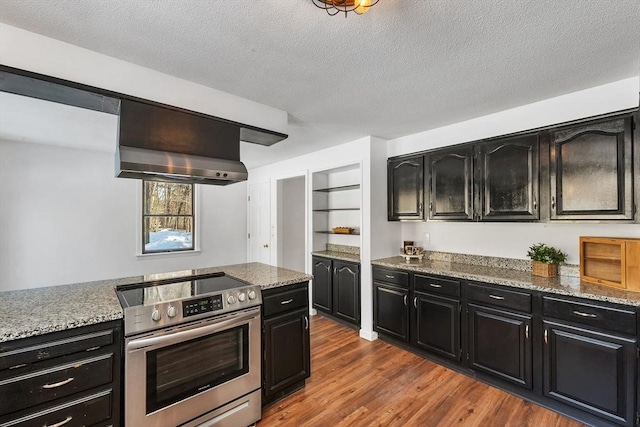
{"points": [[177, 337]]}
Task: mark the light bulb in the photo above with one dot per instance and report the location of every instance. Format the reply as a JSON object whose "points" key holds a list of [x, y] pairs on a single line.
{"points": [[361, 6]]}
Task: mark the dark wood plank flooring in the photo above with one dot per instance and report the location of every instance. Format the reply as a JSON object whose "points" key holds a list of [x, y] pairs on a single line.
{"points": [[355, 382]]}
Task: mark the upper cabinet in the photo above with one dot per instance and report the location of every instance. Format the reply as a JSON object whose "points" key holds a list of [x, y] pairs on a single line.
{"points": [[450, 195], [591, 171], [508, 169], [405, 188]]}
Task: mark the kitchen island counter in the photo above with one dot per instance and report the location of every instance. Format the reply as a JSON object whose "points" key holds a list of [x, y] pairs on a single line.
{"points": [[39, 311], [563, 285]]}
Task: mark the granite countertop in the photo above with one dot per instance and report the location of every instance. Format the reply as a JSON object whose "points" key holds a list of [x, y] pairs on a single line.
{"points": [[39, 311], [563, 285], [342, 256]]}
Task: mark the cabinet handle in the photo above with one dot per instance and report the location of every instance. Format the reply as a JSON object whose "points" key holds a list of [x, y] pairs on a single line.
{"points": [[306, 322], [496, 297], [415, 302], [335, 270], [420, 207], [535, 204], [546, 336], [526, 331], [405, 300], [388, 276], [60, 384], [289, 301], [430, 206], [580, 313], [61, 423], [553, 202], [433, 285]]}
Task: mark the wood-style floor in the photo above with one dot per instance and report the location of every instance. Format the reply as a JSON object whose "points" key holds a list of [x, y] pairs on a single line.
{"points": [[355, 382]]}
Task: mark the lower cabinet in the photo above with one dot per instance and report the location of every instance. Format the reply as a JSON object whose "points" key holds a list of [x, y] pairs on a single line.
{"points": [[286, 342], [500, 344], [336, 288], [390, 310], [63, 378]]}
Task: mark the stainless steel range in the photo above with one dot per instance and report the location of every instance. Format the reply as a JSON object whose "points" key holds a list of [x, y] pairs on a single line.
{"points": [[192, 352]]}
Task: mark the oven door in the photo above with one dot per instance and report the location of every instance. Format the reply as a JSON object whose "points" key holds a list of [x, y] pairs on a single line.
{"points": [[177, 374]]}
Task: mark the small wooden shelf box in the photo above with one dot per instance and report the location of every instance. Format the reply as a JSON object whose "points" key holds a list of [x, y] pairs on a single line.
{"points": [[611, 262]]}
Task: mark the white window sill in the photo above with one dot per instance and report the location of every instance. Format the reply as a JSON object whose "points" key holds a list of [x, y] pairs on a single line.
{"points": [[168, 254]]}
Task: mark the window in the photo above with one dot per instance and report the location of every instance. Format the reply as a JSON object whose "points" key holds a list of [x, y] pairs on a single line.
{"points": [[167, 217]]}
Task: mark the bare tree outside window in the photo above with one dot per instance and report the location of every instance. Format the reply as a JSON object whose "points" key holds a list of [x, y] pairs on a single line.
{"points": [[167, 217]]}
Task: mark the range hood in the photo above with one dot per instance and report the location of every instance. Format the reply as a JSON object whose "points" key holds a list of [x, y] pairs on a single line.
{"points": [[165, 144]]}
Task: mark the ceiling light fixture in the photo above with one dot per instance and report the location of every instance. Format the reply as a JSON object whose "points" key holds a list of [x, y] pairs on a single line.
{"points": [[333, 7]]}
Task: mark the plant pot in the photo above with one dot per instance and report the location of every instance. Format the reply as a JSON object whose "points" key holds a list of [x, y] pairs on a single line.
{"points": [[544, 270]]}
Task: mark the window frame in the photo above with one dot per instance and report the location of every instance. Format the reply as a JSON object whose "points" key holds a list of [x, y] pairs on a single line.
{"points": [[194, 247]]}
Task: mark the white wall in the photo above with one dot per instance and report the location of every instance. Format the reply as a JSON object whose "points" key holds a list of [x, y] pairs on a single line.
{"points": [[511, 240], [292, 228], [64, 218]]}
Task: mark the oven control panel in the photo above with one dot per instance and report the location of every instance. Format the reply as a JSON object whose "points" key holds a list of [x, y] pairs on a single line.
{"points": [[201, 305]]}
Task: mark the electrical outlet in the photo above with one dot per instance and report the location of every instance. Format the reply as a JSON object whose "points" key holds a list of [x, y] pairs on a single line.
{"points": [[426, 238]]}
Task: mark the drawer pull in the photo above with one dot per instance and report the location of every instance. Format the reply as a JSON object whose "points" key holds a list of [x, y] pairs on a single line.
{"points": [[289, 301], [433, 285], [18, 366], [496, 297], [526, 331], [93, 348], [60, 384], [61, 423], [546, 336], [389, 276], [580, 313]]}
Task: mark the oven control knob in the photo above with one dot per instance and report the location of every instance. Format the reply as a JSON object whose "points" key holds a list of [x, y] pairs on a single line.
{"points": [[231, 299], [242, 296], [156, 315], [171, 311], [251, 294]]}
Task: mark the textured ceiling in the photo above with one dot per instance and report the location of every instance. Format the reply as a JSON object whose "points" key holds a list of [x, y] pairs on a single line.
{"points": [[405, 66]]}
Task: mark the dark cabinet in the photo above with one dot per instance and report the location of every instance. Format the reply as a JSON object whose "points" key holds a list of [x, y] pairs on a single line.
{"points": [[450, 195], [437, 325], [390, 310], [286, 341], [590, 357], [591, 171], [322, 287], [405, 188], [71, 376], [336, 288], [500, 344], [508, 170]]}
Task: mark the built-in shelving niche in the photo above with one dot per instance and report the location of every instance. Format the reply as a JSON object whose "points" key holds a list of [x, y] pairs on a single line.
{"points": [[337, 200]]}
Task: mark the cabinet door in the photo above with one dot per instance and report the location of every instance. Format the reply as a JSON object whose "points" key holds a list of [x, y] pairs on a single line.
{"points": [[451, 184], [390, 311], [322, 292], [437, 325], [286, 350], [405, 189], [591, 171], [346, 291], [509, 173], [591, 371], [500, 344]]}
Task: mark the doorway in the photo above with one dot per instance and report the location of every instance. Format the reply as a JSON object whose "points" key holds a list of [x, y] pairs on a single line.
{"points": [[291, 226]]}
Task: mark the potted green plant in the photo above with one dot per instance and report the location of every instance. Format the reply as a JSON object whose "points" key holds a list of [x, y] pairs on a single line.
{"points": [[545, 260]]}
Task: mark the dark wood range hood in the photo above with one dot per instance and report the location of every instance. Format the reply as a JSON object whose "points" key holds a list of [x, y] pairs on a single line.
{"points": [[155, 141]]}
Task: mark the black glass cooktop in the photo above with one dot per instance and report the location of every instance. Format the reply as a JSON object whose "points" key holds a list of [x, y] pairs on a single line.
{"points": [[151, 294]]}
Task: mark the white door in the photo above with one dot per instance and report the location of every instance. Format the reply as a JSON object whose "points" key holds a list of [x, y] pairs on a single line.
{"points": [[259, 223]]}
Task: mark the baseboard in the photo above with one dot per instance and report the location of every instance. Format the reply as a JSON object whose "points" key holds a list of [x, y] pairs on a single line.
{"points": [[368, 335]]}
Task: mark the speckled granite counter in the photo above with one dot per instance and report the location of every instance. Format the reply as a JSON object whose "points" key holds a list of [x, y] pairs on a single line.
{"points": [[342, 256], [39, 311], [563, 285]]}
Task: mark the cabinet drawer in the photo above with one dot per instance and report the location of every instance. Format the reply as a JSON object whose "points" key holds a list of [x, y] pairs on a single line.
{"points": [[596, 315], [514, 300], [391, 276], [437, 285], [87, 411], [285, 301], [60, 381], [53, 349]]}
